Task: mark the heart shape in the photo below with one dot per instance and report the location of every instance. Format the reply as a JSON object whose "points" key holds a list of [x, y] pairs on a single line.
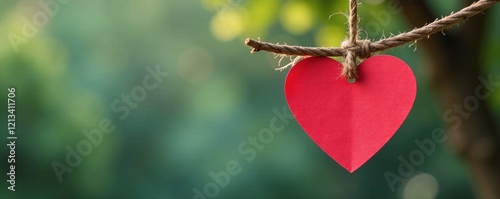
{"points": [[351, 121]]}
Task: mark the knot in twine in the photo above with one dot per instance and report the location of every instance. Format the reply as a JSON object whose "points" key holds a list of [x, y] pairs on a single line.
{"points": [[351, 45], [353, 48], [359, 49]]}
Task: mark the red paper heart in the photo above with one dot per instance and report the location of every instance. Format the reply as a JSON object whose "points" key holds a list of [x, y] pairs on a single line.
{"points": [[351, 121]]}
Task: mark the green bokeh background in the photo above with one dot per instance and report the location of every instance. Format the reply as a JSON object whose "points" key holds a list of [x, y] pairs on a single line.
{"points": [[216, 95]]}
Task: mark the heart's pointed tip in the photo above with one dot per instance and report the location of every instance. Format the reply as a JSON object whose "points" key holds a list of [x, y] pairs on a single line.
{"points": [[351, 169]]}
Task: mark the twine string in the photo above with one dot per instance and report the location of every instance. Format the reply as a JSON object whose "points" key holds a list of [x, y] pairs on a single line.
{"points": [[350, 65], [353, 48]]}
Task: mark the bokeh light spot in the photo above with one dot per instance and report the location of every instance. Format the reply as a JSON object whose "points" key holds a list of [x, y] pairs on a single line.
{"points": [[421, 186], [297, 17], [227, 25]]}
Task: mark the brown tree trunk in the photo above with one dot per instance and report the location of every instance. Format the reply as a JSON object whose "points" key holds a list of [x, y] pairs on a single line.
{"points": [[453, 67]]}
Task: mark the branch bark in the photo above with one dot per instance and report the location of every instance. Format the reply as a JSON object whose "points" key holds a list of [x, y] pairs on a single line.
{"points": [[453, 67]]}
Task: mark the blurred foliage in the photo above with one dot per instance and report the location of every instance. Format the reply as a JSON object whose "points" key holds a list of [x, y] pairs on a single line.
{"points": [[91, 53]]}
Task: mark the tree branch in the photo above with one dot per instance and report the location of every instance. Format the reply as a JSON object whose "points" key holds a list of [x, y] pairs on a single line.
{"points": [[418, 13], [472, 32], [454, 67]]}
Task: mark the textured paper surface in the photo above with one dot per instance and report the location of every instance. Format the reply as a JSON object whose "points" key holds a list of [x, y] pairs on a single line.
{"points": [[351, 122]]}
